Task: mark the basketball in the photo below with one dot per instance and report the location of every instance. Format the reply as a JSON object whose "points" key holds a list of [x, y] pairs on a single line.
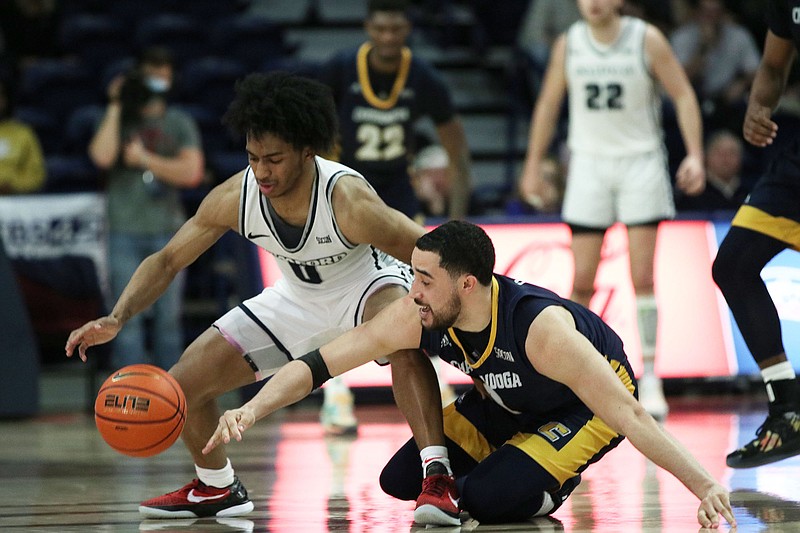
{"points": [[140, 410]]}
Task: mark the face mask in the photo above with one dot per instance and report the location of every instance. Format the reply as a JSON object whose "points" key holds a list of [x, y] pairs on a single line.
{"points": [[157, 85]]}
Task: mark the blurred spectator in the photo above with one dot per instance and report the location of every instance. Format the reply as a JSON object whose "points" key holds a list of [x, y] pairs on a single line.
{"points": [[22, 168], [151, 151], [725, 188], [656, 12], [31, 29], [429, 179], [544, 21], [720, 57]]}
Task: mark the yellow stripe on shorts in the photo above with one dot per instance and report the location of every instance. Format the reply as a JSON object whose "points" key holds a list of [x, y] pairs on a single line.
{"points": [[781, 228], [461, 430], [590, 440]]}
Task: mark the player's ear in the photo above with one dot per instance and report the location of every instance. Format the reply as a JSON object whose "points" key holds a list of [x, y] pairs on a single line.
{"points": [[468, 282]]}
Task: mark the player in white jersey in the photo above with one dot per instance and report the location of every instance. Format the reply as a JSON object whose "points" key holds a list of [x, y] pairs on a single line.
{"points": [[610, 66], [330, 233]]}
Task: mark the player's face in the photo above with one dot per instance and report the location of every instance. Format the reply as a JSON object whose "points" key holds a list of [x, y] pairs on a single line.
{"points": [[388, 32], [278, 166], [599, 11], [434, 291]]}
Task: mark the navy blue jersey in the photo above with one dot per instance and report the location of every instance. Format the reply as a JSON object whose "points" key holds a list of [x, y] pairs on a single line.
{"points": [[503, 365], [783, 19], [377, 111]]}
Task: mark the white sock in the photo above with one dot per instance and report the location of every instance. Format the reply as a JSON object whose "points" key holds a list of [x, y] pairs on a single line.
{"points": [[216, 478], [647, 320], [547, 505], [781, 371], [777, 372], [430, 454]]}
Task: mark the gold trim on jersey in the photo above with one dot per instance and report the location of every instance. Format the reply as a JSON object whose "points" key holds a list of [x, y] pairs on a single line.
{"points": [[399, 81], [781, 228], [492, 332]]}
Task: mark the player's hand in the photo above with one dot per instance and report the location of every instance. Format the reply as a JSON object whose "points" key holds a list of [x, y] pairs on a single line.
{"points": [[691, 176], [92, 333], [231, 425], [759, 129], [716, 502], [531, 188]]}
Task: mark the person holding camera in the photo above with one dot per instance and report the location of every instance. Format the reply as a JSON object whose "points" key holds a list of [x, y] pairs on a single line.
{"points": [[150, 151]]}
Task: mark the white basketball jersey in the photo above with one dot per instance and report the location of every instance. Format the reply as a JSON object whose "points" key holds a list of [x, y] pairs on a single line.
{"points": [[614, 105], [323, 257]]}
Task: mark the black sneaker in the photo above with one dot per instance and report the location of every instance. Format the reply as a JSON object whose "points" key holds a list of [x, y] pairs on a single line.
{"points": [[776, 439], [197, 499]]}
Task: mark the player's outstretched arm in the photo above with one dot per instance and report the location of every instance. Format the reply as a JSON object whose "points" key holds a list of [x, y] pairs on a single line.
{"points": [[395, 328], [217, 214], [557, 350]]}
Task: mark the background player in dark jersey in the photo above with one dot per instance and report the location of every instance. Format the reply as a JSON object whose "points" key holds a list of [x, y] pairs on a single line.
{"points": [[767, 223], [554, 390], [381, 90]]}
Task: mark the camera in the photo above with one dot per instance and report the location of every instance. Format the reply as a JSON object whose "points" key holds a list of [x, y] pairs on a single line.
{"points": [[134, 94]]}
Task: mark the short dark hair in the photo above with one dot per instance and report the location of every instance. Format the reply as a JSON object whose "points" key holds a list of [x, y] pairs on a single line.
{"points": [[401, 6], [463, 248], [157, 56], [298, 110]]}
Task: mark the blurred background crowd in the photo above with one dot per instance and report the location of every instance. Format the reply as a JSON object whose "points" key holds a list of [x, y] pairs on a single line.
{"points": [[59, 60]]}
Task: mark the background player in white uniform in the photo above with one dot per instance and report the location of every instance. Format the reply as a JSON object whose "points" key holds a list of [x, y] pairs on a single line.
{"points": [[618, 169], [325, 225]]}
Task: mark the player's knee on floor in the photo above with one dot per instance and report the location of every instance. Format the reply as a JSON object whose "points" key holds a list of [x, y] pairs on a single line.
{"points": [[493, 503], [507, 486]]}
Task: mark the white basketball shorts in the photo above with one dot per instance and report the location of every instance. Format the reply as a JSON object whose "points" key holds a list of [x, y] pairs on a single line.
{"points": [[284, 321], [629, 189]]}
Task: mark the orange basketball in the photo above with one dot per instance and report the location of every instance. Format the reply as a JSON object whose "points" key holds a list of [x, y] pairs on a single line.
{"points": [[140, 410]]}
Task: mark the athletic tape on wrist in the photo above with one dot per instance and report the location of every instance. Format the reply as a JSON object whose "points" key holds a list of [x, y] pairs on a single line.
{"points": [[319, 370]]}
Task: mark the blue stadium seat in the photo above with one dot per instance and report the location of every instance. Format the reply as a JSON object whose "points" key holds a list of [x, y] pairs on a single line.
{"points": [[71, 173], [96, 39], [249, 39], [225, 164], [58, 86], [80, 127], [184, 36], [46, 126], [209, 82]]}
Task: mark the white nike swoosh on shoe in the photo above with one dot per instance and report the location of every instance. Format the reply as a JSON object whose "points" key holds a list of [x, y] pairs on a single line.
{"points": [[198, 499], [454, 502]]}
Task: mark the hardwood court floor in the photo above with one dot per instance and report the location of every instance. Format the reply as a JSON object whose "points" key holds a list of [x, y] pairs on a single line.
{"points": [[56, 475]]}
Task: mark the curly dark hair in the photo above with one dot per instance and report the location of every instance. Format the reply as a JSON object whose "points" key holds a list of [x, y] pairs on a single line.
{"points": [[298, 110], [463, 248]]}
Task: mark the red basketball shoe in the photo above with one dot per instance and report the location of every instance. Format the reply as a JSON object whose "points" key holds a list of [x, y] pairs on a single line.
{"points": [[438, 502], [197, 500]]}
